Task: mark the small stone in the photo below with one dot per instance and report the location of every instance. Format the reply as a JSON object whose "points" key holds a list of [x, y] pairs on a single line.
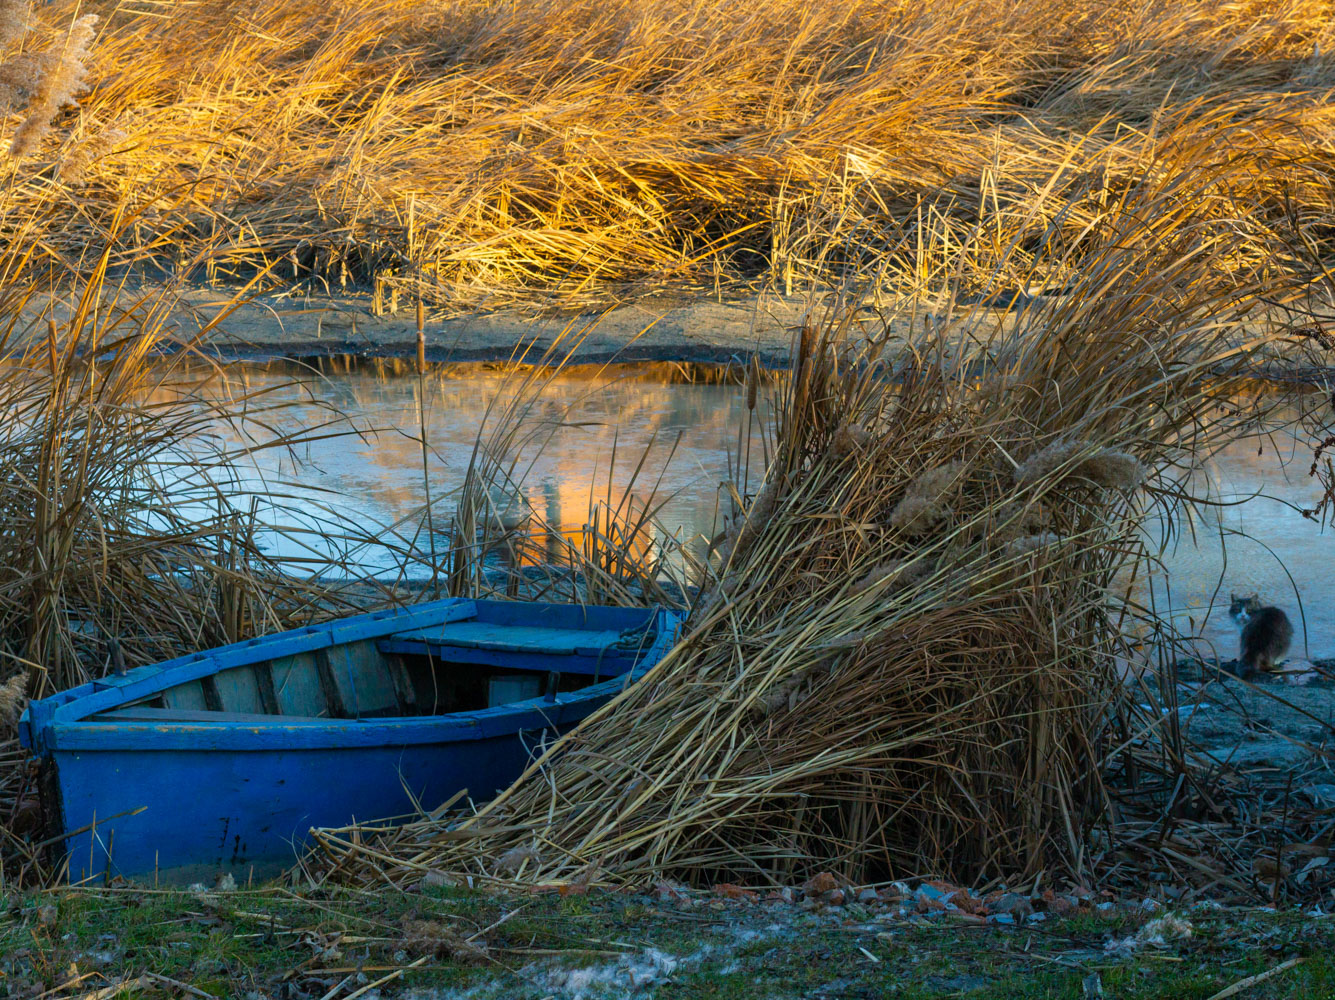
{"points": [[1062, 905], [1015, 904], [1001, 918], [730, 890], [868, 896], [822, 882], [835, 897], [932, 896]]}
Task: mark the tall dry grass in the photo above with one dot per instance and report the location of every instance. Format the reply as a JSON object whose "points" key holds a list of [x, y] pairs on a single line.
{"points": [[908, 654], [503, 544], [475, 151], [130, 495], [134, 525]]}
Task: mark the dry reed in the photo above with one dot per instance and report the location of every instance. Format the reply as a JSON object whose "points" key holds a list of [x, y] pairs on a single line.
{"points": [[580, 149], [125, 515], [502, 544], [860, 694]]}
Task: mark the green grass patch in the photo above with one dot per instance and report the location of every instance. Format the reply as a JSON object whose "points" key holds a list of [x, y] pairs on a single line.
{"points": [[273, 942]]}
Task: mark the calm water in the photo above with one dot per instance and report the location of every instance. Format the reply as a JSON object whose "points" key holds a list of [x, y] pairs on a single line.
{"points": [[1254, 543], [592, 438]]}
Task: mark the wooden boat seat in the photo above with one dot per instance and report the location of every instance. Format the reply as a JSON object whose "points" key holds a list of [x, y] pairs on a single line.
{"points": [[592, 651]]}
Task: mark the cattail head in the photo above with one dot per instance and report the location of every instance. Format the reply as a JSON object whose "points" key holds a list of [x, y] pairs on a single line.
{"points": [[13, 698], [60, 74], [757, 517], [850, 439], [752, 382], [13, 21], [924, 506], [1062, 461], [1027, 544], [513, 859], [894, 575], [1113, 470], [73, 166]]}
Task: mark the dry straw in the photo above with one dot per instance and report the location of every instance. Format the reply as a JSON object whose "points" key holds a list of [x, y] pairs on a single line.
{"points": [[888, 695], [125, 513], [581, 149]]}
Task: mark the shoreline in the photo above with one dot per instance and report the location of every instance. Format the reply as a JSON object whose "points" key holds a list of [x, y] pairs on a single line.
{"points": [[655, 329], [683, 328]]}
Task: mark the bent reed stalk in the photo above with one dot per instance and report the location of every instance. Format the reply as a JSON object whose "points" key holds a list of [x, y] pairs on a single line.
{"points": [[579, 149], [127, 516], [906, 658]]}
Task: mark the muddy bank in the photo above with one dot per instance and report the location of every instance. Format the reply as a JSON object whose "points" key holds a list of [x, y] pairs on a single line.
{"points": [[661, 329], [664, 328]]}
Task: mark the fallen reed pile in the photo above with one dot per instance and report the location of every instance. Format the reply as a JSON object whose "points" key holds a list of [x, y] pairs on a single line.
{"points": [[576, 149], [907, 652]]}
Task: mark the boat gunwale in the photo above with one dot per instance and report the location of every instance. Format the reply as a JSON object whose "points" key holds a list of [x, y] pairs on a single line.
{"points": [[333, 734], [62, 721]]}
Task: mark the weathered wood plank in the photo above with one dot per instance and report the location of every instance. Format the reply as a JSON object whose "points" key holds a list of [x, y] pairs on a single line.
{"points": [[363, 679], [239, 690], [297, 686], [188, 696], [513, 638]]}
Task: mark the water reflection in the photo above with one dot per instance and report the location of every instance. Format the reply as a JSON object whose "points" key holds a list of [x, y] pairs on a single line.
{"points": [[584, 429], [1249, 543]]}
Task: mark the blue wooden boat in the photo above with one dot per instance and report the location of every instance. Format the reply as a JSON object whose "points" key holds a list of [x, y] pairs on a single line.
{"points": [[223, 760]]}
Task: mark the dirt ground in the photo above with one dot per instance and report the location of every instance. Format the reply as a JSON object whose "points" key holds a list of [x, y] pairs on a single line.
{"points": [[1286, 720], [443, 943]]}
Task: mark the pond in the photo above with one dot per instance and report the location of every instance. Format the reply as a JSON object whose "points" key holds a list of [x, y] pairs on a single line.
{"points": [[1255, 540]]}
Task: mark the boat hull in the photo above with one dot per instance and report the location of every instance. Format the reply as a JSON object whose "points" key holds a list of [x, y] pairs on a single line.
{"points": [[248, 811], [177, 795]]}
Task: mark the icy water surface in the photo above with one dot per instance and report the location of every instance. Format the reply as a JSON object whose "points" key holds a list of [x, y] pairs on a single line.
{"points": [[591, 437], [1256, 541]]}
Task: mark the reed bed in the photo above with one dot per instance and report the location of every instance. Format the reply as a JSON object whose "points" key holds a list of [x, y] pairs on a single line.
{"points": [[137, 519], [475, 153], [908, 652], [131, 484], [503, 544]]}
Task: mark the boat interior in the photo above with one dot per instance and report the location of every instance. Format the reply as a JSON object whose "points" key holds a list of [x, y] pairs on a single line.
{"points": [[503, 653]]}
